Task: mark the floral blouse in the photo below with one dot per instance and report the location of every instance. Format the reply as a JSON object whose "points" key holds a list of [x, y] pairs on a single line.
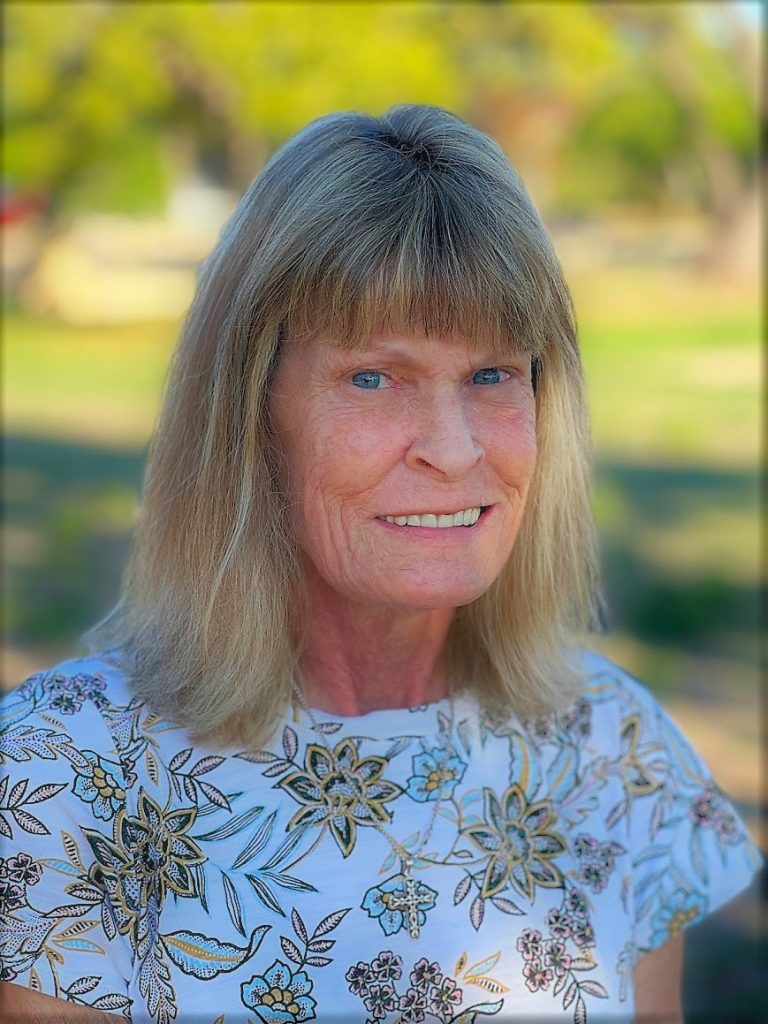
{"points": [[161, 880]]}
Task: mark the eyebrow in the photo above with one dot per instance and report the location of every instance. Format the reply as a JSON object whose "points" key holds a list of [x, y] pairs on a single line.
{"points": [[400, 354]]}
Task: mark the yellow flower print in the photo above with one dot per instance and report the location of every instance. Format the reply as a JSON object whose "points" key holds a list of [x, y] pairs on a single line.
{"points": [[520, 846], [341, 791]]}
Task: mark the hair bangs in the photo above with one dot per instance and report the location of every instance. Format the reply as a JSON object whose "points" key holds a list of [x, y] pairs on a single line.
{"points": [[441, 273]]}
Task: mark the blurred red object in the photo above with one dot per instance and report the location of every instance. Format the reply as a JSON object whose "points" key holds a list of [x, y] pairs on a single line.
{"points": [[15, 208]]}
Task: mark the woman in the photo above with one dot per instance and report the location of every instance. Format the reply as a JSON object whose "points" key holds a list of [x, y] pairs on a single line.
{"points": [[344, 757]]}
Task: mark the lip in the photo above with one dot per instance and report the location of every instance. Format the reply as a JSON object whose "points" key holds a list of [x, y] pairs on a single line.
{"points": [[434, 532], [432, 511]]}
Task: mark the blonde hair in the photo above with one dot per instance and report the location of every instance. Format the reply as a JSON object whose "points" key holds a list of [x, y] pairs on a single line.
{"points": [[357, 224]]}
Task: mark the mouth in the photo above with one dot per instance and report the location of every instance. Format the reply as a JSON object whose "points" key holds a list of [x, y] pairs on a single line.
{"points": [[465, 518]]}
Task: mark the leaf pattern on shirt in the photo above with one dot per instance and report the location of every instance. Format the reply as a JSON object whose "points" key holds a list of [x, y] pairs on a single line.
{"points": [[139, 864]]}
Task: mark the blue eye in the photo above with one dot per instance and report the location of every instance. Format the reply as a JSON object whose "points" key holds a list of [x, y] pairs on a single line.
{"points": [[368, 379], [490, 375]]}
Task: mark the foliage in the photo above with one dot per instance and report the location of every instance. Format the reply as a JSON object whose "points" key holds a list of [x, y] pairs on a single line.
{"points": [[108, 102]]}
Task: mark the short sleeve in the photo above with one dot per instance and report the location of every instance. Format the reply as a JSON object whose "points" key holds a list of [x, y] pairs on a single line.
{"points": [[61, 787], [690, 849]]}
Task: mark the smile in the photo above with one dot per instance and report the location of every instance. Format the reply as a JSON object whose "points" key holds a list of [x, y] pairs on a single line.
{"points": [[437, 520]]}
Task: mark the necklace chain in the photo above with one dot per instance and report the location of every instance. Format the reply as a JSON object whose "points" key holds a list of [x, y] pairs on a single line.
{"points": [[406, 897]]}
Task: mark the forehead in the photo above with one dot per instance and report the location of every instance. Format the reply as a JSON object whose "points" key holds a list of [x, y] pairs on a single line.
{"points": [[407, 347]]}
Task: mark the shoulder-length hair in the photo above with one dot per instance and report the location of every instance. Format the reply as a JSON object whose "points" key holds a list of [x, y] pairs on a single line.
{"points": [[410, 221]]}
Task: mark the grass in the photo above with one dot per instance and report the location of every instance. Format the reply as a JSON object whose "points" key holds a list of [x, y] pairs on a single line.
{"points": [[92, 384]]}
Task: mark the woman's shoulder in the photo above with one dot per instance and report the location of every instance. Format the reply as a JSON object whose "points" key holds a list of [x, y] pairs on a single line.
{"points": [[622, 718], [617, 697], [77, 702], [615, 727], [603, 678], [607, 700], [98, 679]]}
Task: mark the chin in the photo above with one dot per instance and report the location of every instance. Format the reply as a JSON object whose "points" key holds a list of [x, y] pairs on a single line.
{"points": [[431, 598]]}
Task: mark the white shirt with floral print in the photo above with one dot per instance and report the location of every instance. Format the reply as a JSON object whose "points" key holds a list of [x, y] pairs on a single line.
{"points": [[152, 877]]}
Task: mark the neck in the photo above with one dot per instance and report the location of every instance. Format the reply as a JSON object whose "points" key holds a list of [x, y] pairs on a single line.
{"points": [[357, 658]]}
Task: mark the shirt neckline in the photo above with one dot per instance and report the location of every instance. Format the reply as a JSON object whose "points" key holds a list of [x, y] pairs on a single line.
{"points": [[422, 719]]}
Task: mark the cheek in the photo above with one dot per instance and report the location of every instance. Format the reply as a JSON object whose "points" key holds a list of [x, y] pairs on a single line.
{"points": [[335, 470], [347, 451], [512, 447]]}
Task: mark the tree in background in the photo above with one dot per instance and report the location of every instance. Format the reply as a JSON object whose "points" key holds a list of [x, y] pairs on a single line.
{"points": [[652, 105]]}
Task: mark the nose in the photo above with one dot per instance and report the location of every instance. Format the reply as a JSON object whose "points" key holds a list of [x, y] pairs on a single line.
{"points": [[443, 439]]}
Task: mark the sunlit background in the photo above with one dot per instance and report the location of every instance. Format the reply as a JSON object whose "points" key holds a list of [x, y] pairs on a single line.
{"points": [[132, 128]]}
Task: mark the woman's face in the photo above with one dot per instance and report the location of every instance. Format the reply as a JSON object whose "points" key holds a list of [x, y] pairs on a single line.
{"points": [[413, 429]]}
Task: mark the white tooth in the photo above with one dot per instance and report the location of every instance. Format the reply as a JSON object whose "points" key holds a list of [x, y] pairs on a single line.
{"points": [[475, 516], [429, 520], [445, 520], [458, 518], [401, 520], [466, 517], [388, 519], [414, 520]]}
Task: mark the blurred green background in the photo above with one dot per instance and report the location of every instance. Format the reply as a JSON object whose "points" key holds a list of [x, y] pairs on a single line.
{"points": [[132, 128]]}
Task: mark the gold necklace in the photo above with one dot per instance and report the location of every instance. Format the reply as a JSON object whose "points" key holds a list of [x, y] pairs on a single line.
{"points": [[405, 898]]}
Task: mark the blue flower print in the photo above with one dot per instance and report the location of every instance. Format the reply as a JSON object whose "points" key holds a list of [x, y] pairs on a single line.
{"points": [[279, 996], [99, 783], [676, 913], [379, 900], [435, 774]]}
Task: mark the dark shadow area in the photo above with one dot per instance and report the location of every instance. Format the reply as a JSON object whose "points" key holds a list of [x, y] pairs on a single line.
{"points": [[67, 515], [726, 961], [667, 492], [705, 614]]}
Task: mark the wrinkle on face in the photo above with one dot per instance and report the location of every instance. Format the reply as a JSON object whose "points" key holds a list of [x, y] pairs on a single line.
{"points": [[353, 454]]}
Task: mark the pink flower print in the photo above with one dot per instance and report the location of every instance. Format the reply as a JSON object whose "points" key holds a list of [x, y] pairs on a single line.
{"points": [[387, 966], [445, 998], [583, 934], [380, 1001], [413, 1006], [559, 923], [537, 976], [12, 895], [425, 974], [726, 827], [556, 957], [529, 944], [359, 977], [703, 808]]}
